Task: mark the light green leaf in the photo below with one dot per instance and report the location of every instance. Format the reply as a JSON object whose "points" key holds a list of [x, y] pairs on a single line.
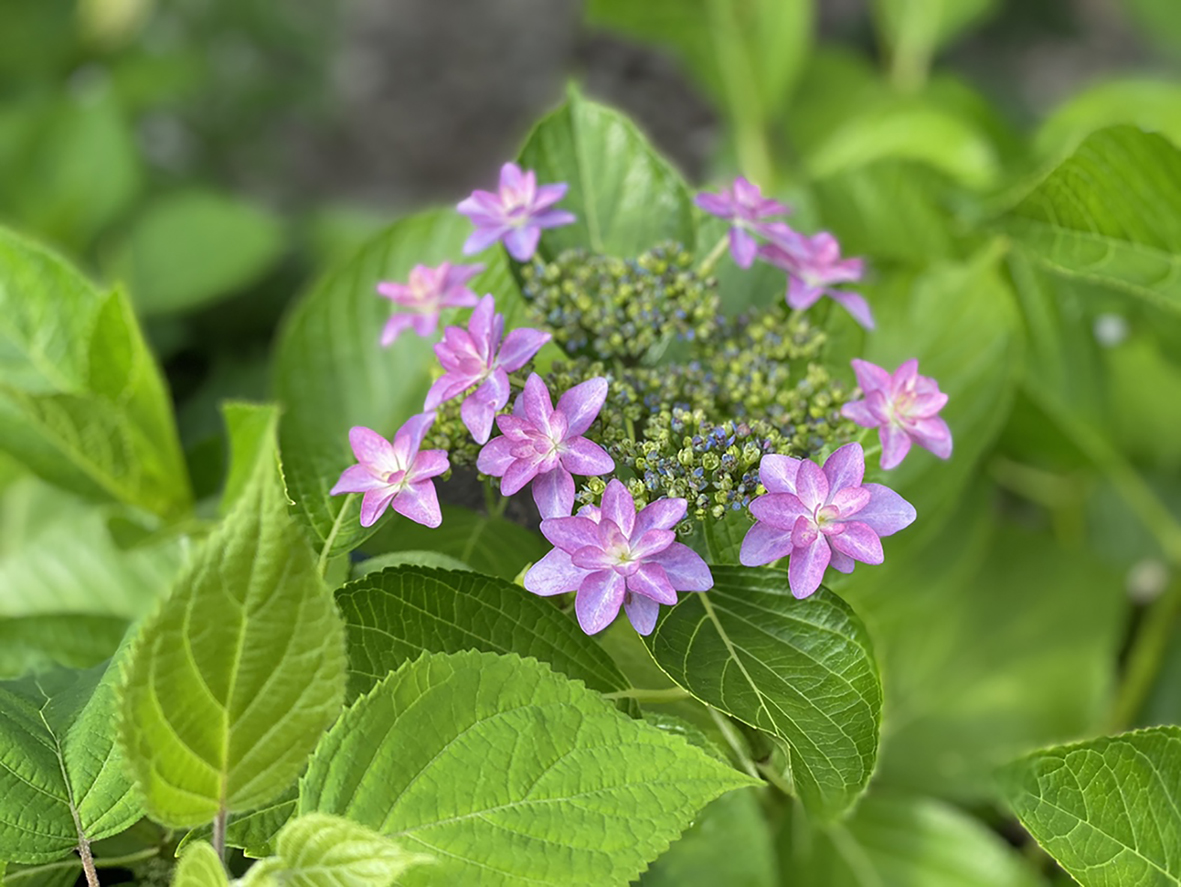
{"points": [[393, 616], [61, 775], [1111, 214], [189, 248], [320, 850], [729, 844], [251, 429], [800, 670], [1151, 105], [221, 711], [57, 558], [331, 372], [1109, 810], [902, 841], [509, 774], [626, 196], [200, 866], [82, 402], [35, 643], [490, 545]]}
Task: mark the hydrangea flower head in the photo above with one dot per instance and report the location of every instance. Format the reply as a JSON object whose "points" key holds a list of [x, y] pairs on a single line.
{"points": [[821, 517], [613, 557], [516, 213], [744, 205], [544, 444], [396, 474], [481, 356], [904, 407], [814, 265], [428, 292]]}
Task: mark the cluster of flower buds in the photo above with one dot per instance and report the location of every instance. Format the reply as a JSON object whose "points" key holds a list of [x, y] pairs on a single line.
{"points": [[727, 425], [625, 309]]}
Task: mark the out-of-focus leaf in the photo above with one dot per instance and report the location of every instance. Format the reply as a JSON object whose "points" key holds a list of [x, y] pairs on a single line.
{"points": [[190, 248], [802, 671], [331, 372], [1110, 213], [34, 643], [64, 778], [729, 843], [82, 402], [916, 29], [220, 713], [1144, 421], [433, 756], [200, 866], [1158, 19], [627, 198], [393, 616], [1151, 105], [1109, 810], [901, 841]]}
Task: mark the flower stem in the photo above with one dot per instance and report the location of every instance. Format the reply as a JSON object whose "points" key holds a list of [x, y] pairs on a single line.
{"points": [[1147, 652], [707, 264], [671, 694]]}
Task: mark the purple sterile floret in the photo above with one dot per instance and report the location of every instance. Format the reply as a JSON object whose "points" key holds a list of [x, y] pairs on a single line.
{"points": [[612, 557], [395, 473], [814, 265], [903, 406], [544, 444], [428, 292], [821, 517], [481, 356], [515, 214], [744, 205]]}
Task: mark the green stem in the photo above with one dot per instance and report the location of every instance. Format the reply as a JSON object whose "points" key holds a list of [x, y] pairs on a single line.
{"points": [[671, 694], [734, 740], [1148, 649], [493, 503], [707, 264]]}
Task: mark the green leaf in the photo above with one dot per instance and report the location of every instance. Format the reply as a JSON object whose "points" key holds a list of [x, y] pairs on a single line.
{"points": [[221, 710], [729, 843], [62, 778], [200, 866], [189, 248], [490, 545], [626, 196], [407, 559], [251, 429], [1152, 105], [331, 372], [1109, 810], [1110, 213], [509, 774], [320, 850], [802, 671], [35, 643], [253, 832], [393, 616], [57, 559], [902, 841], [82, 402]]}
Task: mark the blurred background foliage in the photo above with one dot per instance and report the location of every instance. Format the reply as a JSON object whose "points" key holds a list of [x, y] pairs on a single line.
{"points": [[216, 156]]}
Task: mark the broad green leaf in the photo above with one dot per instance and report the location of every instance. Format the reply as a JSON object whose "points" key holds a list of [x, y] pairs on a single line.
{"points": [[200, 866], [189, 248], [251, 429], [627, 197], [82, 402], [235, 677], [729, 843], [901, 841], [1151, 105], [509, 774], [320, 850], [253, 832], [331, 372], [491, 545], [802, 671], [1110, 213], [35, 643], [57, 558], [62, 776], [1109, 810], [994, 680], [393, 616]]}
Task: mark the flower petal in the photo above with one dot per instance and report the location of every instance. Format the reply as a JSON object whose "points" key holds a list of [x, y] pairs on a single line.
{"points": [[887, 512], [895, 445], [718, 205], [844, 468], [763, 544], [858, 411], [519, 473], [684, 567], [357, 479], [663, 514], [536, 403], [582, 403], [934, 435], [521, 243], [743, 247], [482, 238], [586, 458], [496, 456], [554, 218], [812, 485], [806, 568], [642, 612], [519, 347], [554, 492], [619, 507], [395, 326], [599, 599], [780, 510], [420, 503], [651, 581], [554, 574], [570, 533], [372, 450], [859, 542], [374, 503], [855, 304], [842, 562], [778, 473], [652, 543], [870, 376], [408, 438]]}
